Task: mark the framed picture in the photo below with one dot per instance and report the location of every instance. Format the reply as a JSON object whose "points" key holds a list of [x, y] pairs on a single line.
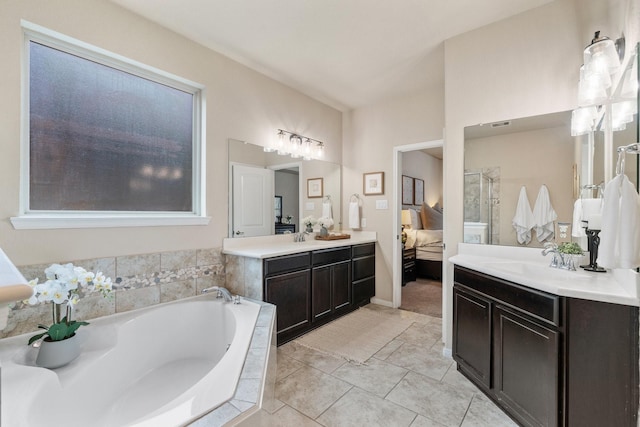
{"points": [[373, 183], [314, 188], [407, 190], [418, 191]]}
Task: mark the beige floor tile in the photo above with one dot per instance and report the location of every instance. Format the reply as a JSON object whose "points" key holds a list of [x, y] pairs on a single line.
{"points": [[483, 412], [376, 376], [284, 417], [310, 391], [432, 399], [421, 421], [459, 381], [310, 357], [421, 334], [286, 366], [359, 408], [388, 349], [425, 361], [272, 405]]}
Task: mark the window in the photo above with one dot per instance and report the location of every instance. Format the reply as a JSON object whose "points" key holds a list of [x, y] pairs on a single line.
{"points": [[107, 137]]}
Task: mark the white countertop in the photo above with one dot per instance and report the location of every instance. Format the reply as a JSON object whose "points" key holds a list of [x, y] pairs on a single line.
{"points": [[527, 266], [283, 244]]}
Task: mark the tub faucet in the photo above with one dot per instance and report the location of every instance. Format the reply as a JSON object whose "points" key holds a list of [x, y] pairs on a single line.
{"points": [[223, 293]]}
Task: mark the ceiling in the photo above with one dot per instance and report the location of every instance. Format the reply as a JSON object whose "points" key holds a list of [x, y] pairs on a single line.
{"points": [[345, 53]]}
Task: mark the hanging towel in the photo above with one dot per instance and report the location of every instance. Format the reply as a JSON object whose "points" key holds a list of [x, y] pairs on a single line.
{"points": [[583, 209], [523, 219], [576, 225], [354, 215], [326, 210], [620, 235], [544, 215]]}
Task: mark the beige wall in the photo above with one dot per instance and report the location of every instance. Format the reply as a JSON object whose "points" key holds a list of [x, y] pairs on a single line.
{"points": [[522, 66], [240, 103], [529, 159], [369, 137], [417, 164]]}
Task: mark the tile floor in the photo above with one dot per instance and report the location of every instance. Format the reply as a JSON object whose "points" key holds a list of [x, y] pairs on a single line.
{"points": [[407, 383]]}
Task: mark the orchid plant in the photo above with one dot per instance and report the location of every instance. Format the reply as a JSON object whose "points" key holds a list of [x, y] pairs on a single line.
{"points": [[309, 221], [63, 285], [325, 222]]}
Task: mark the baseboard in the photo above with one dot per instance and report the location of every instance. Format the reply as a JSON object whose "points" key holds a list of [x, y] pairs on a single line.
{"points": [[383, 302]]}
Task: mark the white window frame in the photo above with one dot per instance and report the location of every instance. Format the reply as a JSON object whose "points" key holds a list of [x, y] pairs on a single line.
{"points": [[28, 219]]}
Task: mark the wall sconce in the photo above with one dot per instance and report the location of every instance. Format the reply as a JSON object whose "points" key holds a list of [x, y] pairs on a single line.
{"points": [[297, 146]]}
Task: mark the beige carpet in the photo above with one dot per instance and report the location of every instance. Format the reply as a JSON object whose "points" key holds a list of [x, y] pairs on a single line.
{"points": [[356, 336], [423, 296]]}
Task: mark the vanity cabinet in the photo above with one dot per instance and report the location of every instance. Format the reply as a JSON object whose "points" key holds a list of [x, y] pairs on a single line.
{"points": [[287, 284], [330, 282], [364, 273], [312, 288], [546, 360]]}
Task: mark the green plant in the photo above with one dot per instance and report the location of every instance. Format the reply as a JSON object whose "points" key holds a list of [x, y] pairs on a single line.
{"points": [[63, 285], [570, 248]]}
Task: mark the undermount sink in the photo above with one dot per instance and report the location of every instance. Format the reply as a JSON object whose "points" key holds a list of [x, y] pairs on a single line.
{"points": [[536, 270]]}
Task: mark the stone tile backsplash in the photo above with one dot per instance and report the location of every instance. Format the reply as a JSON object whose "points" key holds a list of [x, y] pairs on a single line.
{"points": [[138, 281]]}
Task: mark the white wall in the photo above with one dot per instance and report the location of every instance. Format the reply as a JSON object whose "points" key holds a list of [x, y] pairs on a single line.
{"points": [[241, 104]]}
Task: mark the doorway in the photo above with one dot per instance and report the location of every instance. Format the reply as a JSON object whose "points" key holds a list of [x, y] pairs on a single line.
{"points": [[433, 199]]}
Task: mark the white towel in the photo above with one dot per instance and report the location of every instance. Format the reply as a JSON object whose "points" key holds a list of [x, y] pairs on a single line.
{"points": [[326, 210], [523, 219], [576, 224], [544, 215], [354, 215], [620, 236]]}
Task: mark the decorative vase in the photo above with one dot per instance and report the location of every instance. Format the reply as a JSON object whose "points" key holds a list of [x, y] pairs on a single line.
{"points": [[309, 229], [55, 354], [324, 232]]}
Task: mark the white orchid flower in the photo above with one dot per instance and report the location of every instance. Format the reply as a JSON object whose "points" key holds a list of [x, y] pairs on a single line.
{"points": [[86, 278], [59, 293], [73, 301], [52, 271], [45, 291]]}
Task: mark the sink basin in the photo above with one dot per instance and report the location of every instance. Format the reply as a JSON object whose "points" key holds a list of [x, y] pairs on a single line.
{"points": [[540, 271]]}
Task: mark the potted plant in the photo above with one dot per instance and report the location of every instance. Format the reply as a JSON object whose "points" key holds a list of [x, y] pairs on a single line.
{"points": [[570, 251], [65, 285], [325, 223], [309, 222]]}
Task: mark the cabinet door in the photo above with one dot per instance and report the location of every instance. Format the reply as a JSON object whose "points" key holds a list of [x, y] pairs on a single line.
{"points": [[526, 368], [472, 334], [341, 283], [321, 285], [291, 293]]}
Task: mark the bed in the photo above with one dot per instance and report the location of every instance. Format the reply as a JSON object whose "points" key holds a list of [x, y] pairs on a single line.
{"points": [[425, 234]]}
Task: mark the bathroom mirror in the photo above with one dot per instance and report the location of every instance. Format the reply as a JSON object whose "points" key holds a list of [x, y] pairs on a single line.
{"points": [[290, 182]]}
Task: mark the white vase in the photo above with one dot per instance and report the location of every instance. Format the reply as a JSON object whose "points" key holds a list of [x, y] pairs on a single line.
{"points": [[55, 354]]}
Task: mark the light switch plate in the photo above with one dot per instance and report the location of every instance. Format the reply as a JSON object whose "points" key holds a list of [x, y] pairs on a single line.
{"points": [[382, 204]]}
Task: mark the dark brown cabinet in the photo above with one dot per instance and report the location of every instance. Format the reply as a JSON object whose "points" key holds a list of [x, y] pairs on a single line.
{"points": [[546, 360], [364, 273], [312, 288], [330, 282]]}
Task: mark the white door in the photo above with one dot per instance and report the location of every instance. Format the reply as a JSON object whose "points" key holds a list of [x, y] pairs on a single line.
{"points": [[252, 201]]}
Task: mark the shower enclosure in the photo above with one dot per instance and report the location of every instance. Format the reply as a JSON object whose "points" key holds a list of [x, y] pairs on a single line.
{"points": [[479, 199]]}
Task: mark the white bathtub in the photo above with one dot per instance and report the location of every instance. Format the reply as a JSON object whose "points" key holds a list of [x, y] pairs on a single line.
{"points": [[160, 366]]}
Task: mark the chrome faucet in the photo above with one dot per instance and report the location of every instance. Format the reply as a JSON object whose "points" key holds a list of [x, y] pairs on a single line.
{"points": [[223, 293], [558, 259], [300, 237]]}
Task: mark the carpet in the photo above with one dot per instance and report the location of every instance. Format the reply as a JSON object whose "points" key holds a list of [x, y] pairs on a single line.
{"points": [[423, 296], [356, 336]]}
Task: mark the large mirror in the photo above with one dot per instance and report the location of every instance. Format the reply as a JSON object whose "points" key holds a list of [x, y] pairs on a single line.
{"points": [[297, 187], [503, 157]]}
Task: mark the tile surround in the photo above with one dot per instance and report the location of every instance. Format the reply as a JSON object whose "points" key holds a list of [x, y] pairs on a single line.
{"points": [[139, 281]]}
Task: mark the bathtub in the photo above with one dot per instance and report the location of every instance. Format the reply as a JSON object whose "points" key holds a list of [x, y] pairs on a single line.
{"points": [[165, 365]]}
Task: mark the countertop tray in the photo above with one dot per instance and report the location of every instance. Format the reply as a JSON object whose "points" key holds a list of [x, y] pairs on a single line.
{"points": [[334, 237]]}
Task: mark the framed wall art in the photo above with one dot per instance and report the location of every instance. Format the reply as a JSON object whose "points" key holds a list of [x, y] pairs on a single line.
{"points": [[418, 191], [373, 183], [314, 188], [407, 190]]}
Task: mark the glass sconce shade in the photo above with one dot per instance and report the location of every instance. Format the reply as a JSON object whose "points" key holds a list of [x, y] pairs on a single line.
{"points": [[319, 150], [592, 87], [583, 120], [601, 55]]}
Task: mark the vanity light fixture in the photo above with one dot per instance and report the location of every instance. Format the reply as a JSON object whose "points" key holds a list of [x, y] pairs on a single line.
{"points": [[297, 146]]}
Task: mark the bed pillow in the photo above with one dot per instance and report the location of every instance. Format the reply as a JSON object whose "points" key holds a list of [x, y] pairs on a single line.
{"points": [[437, 207], [416, 222], [431, 218]]}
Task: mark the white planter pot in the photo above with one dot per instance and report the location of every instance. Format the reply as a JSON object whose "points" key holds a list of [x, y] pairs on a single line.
{"points": [[55, 354]]}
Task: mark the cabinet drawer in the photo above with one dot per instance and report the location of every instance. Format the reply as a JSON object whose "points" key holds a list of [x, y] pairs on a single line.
{"points": [[537, 304], [364, 267], [286, 263], [363, 250], [330, 256], [363, 291]]}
